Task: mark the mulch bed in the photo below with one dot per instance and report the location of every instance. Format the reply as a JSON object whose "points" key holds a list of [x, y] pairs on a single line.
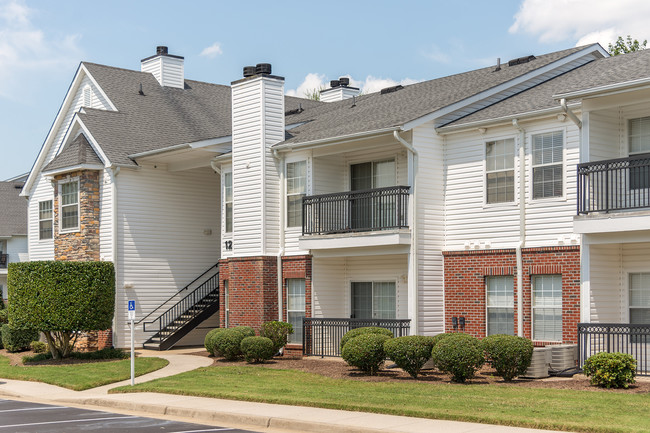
{"points": [[336, 368]]}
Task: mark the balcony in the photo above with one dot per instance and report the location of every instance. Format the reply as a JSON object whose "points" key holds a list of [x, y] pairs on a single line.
{"points": [[3, 261], [632, 339]]}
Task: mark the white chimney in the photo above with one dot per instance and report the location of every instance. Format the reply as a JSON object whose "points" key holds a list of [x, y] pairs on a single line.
{"points": [[339, 90], [168, 69]]}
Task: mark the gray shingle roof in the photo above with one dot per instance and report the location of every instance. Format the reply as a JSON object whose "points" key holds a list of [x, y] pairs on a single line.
{"points": [[13, 209], [77, 152], [601, 72], [163, 117], [376, 111]]}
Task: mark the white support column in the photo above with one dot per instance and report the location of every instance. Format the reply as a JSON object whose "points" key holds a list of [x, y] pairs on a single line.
{"points": [[585, 291]]}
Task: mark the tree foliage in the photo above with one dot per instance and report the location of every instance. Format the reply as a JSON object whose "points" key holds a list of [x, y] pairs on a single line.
{"points": [[624, 46]]}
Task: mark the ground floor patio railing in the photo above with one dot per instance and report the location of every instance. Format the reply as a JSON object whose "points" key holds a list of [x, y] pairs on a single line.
{"points": [[616, 337], [322, 336]]}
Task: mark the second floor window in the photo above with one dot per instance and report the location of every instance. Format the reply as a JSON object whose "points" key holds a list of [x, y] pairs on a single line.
{"points": [[69, 206], [639, 144], [45, 219], [547, 165], [296, 190], [227, 200], [500, 171]]}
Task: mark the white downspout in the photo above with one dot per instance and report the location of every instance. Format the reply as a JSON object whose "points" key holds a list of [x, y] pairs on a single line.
{"points": [[570, 113], [414, 235], [280, 160], [522, 228], [214, 166], [114, 171]]}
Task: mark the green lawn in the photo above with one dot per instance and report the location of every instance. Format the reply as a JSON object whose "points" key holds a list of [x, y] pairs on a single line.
{"points": [[584, 411], [80, 376]]}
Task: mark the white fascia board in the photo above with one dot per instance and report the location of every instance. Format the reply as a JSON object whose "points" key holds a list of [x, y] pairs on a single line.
{"points": [[610, 89], [63, 170], [158, 151], [330, 141], [501, 87], [101, 91]]}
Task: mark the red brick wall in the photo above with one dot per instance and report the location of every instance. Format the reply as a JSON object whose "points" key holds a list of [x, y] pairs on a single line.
{"points": [[465, 273]]}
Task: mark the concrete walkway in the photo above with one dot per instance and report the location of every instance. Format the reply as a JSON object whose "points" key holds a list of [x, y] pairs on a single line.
{"points": [[256, 416]]}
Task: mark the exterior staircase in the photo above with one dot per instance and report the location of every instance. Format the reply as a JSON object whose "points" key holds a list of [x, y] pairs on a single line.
{"points": [[183, 312]]}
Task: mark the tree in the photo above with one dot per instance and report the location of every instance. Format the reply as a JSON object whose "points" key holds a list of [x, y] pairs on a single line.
{"points": [[314, 94], [61, 299], [629, 45]]}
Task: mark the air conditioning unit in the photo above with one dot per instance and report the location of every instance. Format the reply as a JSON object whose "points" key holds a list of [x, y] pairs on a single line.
{"points": [[540, 363], [563, 356]]}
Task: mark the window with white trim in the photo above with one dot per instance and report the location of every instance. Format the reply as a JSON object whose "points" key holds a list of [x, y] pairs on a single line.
{"points": [[373, 300], [45, 216], [500, 302], [69, 199], [547, 164], [500, 171], [227, 200], [639, 144], [547, 307], [296, 307], [639, 299], [296, 190]]}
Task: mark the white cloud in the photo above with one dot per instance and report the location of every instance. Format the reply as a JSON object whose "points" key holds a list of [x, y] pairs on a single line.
{"points": [[435, 53], [584, 21], [314, 81], [25, 49], [212, 51]]}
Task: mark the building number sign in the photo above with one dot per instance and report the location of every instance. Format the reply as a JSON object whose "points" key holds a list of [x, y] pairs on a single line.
{"points": [[228, 245]]}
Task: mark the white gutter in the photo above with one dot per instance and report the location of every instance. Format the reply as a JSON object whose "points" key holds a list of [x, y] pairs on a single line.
{"points": [[570, 113], [280, 160], [157, 151], [522, 228], [216, 169], [607, 89], [290, 147], [413, 297]]}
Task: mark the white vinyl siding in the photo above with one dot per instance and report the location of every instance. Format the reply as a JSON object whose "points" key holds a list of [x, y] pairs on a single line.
{"points": [[548, 170], [500, 301], [499, 171], [639, 298], [296, 307], [547, 307], [296, 190], [227, 200], [106, 215], [45, 219], [69, 206]]}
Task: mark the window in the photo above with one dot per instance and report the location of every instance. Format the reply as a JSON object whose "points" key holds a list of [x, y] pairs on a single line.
{"points": [[296, 307], [640, 298], [296, 190], [227, 199], [500, 171], [226, 303], [45, 219], [371, 211], [547, 308], [69, 206], [639, 144], [547, 165], [500, 305], [373, 300]]}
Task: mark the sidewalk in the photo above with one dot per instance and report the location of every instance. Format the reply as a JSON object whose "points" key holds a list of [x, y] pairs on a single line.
{"points": [[255, 416]]}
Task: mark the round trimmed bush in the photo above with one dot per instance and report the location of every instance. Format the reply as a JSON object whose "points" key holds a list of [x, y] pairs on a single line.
{"points": [[278, 332], [509, 355], [38, 347], [257, 349], [228, 343], [459, 355], [365, 330], [610, 370], [247, 331], [410, 353], [17, 339], [438, 338], [366, 352], [209, 340]]}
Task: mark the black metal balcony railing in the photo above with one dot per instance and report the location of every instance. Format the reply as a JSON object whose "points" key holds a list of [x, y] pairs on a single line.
{"points": [[3, 260], [356, 211], [614, 185], [322, 337], [616, 337]]}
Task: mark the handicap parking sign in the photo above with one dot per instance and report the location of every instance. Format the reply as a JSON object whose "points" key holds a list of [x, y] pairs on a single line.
{"points": [[131, 310]]}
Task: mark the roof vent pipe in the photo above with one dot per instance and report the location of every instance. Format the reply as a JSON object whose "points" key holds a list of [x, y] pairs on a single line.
{"points": [[249, 71], [263, 68], [498, 64]]}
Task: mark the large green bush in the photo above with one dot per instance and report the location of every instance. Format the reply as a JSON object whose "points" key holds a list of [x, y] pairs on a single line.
{"points": [[4, 316], [278, 332], [611, 370], [366, 352], [247, 331], [438, 338], [257, 349], [362, 331], [460, 355], [410, 353], [228, 342], [17, 339], [509, 355], [209, 340], [60, 298]]}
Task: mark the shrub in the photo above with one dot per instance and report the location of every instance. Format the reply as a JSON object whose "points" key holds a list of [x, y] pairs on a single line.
{"points": [[460, 355], [17, 339], [410, 353], [108, 353], [209, 340], [509, 355], [366, 352], [247, 331], [4, 316], [438, 338], [278, 332], [228, 343], [60, 298], [257, 349], [610, 370], [38, 347], [366, 330]]}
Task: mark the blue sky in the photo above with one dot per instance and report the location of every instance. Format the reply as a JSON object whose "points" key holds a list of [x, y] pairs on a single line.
{"points": [[376, 43]]}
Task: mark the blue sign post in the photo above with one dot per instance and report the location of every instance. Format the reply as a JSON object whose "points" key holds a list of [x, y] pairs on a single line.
{"points": [[131, 310]]}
